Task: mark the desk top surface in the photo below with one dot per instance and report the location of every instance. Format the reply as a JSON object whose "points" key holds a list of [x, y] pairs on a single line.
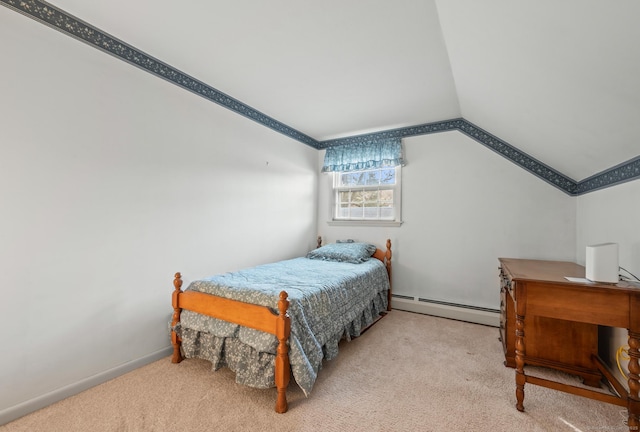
{"points": [[555, 271]]}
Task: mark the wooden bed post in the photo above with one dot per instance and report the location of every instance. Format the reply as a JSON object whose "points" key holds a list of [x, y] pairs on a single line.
{"points": [[175, 340], [283, 368], [387, 263]]}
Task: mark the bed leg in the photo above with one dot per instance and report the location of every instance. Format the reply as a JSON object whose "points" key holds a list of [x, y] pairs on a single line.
{"points": [[283, 367], [175, 301]]}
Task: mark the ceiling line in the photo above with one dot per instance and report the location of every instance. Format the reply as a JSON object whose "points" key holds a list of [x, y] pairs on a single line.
{"points": [[55, 18]]}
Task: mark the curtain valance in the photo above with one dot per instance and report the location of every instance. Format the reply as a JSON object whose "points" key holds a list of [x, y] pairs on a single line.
{"points": [[364, 155]]}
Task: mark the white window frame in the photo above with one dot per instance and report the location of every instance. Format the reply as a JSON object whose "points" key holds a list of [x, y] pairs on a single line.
{"points": [[397, 202]]}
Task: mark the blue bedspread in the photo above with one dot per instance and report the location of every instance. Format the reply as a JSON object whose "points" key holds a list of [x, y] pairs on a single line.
{"points": [[328, 301]]}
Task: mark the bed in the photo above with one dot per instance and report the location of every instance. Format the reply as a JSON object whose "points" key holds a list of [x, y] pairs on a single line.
{"points": [[282, 320]]}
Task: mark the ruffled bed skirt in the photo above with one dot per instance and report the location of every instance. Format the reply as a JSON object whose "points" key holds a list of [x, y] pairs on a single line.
{"points": [[251, 354]]}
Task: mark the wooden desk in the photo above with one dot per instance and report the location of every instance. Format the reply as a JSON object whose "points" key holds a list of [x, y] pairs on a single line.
{"points": [[539, 289]]}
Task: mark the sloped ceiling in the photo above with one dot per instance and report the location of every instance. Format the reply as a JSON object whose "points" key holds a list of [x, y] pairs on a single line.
{"points": [[559, 81]]}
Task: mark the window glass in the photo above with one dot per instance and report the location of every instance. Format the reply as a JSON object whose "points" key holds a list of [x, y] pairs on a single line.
{"points": [[367, 195]]}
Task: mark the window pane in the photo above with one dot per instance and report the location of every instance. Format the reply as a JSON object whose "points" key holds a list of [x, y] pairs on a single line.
{"points": [[357, 197], [349, 179], [371, 195], [343, 180], [355, 212], [386, 213], [372, 178], [388, 176], [371, 212], [386, 197], [366, 195], [343, 197], [356, 178]]}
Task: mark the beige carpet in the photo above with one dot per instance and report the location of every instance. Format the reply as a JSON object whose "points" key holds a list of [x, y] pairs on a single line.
{"points": [[410, 372]]}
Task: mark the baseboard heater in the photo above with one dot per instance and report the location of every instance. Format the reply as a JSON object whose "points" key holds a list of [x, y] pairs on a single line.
{"points": [[474, 314]]}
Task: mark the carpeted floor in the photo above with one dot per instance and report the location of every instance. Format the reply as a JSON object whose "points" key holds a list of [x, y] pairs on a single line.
{"points": [[410, 372]]}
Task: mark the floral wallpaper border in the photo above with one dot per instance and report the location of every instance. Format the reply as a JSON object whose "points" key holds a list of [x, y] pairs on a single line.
{"points": [[59, 20], [622, 173], [472, 131]]}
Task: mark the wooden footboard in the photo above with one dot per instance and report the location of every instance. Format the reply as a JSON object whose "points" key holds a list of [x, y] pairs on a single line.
{"points": [[245, 314]]}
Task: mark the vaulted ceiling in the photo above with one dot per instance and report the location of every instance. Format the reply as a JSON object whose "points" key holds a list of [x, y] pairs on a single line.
{"points": [[557, 80]]}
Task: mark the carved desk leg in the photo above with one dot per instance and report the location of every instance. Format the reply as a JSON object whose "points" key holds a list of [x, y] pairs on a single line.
{"points": [[634, 384], [520, 350]]}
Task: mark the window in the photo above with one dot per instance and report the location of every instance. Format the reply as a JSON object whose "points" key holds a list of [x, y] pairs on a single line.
{"points": [[368, 195], [366, 181]]}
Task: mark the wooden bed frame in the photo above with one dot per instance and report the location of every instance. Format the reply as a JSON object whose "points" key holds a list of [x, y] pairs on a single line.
{"points": [[253, 316]]}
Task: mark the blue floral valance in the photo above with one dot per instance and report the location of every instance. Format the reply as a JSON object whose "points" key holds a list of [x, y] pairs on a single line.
{"points": [[364, 155]]}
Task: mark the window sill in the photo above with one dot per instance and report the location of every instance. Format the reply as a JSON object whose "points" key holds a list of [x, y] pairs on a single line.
{"points": [[364, 223]]}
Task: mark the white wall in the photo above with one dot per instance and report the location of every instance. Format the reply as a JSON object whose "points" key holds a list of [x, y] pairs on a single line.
{"points": [[111, 180], [611, 215], [463, 207]]}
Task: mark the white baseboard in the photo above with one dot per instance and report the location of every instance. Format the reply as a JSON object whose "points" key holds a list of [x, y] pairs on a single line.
{"points": [[24, 408], [447, 311]]}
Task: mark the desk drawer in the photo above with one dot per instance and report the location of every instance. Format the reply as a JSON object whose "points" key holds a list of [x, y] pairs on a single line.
{"points": [[506, 282]]}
